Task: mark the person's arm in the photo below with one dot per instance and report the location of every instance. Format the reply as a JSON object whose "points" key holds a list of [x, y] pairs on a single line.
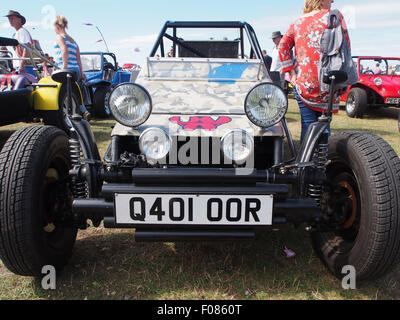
{"points": [[285, 48], [64, 51], [78, 57], [25, 38], [22, 64]]}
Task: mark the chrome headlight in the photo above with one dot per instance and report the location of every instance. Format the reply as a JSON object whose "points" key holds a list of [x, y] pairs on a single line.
{"points": [[237, 145], [266, 105], [130, 104], [155, 144], [378, 82]]}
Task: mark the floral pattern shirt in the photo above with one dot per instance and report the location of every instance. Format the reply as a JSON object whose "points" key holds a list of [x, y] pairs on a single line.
{"points": [[305, 35]]}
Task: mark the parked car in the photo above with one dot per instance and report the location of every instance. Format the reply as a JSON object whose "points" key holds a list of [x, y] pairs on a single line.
{"points": [[197, 154], [26, 98], [134, 69], [378, 86], [102, 74]]}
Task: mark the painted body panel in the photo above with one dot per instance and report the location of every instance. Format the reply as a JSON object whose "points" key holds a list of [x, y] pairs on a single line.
{"points": [[190, 96], [173, 127], [47, 99]]}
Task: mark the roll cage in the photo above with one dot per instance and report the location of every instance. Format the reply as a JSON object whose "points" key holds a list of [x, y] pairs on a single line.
{"points": [[173, 26]]}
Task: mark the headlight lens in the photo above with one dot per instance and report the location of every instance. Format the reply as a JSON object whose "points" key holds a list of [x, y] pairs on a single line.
{"points": [[378, 82], [155, 144], [130, 104], [266, 105], [237, 145]]}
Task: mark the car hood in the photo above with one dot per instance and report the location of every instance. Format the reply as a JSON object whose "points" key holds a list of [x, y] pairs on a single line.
{"points": [[198, 125], [390, 85], [200, 86], [93, 75]]}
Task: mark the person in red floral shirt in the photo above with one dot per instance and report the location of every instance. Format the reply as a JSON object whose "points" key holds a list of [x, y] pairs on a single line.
{"points": [[305, 35]]}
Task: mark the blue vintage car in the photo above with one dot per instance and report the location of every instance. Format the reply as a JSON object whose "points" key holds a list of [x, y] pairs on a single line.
{"points": [[102, 74]]}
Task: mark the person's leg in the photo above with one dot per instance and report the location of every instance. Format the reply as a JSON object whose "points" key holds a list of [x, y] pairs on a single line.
{"points": [[308, 116], [85, 113]]}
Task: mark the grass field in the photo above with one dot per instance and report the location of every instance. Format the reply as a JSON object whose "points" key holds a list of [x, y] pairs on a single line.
{"points": [[108, 264]]}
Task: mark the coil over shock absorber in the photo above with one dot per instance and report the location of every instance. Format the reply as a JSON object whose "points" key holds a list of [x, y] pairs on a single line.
{"points": [[320, 159], [79, 188]]}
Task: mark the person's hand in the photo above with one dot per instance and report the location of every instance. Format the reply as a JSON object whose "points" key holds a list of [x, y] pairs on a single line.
{"points": [[83, 77], [293, 77]]}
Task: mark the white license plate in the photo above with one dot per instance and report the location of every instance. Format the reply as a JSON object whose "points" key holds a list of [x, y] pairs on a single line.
{"points": [[393, 100], [187, 209]]}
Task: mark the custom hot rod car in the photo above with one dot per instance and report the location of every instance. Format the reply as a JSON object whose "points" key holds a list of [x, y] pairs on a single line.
{"points": [[197, 153], [378, 85]]}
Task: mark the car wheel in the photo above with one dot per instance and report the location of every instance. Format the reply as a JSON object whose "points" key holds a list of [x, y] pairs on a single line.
{"points": [[59, 118], [365, 188], [101, 98], [356, 103], [35, 201]]}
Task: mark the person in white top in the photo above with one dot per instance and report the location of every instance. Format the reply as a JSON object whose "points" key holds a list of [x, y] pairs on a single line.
{"points": [[22, 35], [276, 61]]}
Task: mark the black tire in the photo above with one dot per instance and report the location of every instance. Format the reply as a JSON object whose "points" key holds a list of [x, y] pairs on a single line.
{"points": [[357, 103], [35, 201], [366, 170], [101, 108], [59, 118]]}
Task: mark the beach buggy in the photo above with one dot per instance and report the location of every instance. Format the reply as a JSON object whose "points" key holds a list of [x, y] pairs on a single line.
{"points": [[197, 153]]}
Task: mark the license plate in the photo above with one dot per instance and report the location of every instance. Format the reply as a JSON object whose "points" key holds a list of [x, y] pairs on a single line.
{"points": [[393, 100], [186, 209]]}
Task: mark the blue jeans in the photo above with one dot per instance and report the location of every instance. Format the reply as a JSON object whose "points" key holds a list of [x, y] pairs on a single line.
{"points": [[308, 116], [78, 72]]}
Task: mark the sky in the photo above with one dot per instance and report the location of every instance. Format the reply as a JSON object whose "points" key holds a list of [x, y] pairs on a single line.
{"points": [[374, 25]]}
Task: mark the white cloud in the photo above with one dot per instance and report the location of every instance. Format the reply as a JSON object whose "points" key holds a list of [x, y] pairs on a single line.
{"points": [[374, 14], [136, 41]]}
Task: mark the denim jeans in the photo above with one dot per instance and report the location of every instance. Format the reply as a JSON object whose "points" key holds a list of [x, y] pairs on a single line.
{"points": [[308, 116]]}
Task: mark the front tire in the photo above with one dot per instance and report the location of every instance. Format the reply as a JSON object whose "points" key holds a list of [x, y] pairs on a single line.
{"points": [[356, 103], [35, 201], [365, 172], [101, 97]]}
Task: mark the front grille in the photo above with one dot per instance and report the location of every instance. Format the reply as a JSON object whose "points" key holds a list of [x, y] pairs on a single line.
{"points": [[198, 152]]}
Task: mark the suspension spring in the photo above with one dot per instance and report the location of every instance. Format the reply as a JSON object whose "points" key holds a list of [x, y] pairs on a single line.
{"points": [[79, 189], [315, 191]]}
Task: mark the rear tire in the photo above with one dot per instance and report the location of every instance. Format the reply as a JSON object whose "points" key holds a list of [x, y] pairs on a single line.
{"points": [[366, 170], [35, 201], [59, 118], [101, 98], [357, 103]]}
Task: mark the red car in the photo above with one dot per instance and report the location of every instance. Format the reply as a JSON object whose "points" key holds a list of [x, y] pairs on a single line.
{"points": [[378, 85]]}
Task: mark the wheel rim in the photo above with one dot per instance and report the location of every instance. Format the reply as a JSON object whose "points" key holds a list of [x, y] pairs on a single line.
{"points": [[351, 104], [56, 202], [348, 214], [107, 103], [352, 197]]}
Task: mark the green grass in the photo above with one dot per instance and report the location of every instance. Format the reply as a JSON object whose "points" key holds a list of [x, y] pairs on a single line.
{"points": [[109, 264]]}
